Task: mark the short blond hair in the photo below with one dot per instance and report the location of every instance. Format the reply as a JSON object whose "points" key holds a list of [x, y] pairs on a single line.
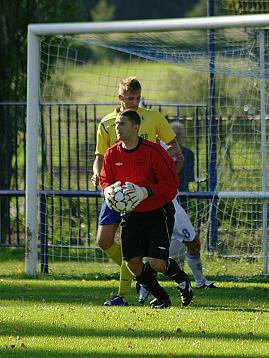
{"points": [[129, 84]]}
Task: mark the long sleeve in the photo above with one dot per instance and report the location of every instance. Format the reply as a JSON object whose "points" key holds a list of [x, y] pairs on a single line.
{"points": [[167, 178]]}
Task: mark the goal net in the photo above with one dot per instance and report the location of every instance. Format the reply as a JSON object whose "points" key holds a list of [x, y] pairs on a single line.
{"points": [[241, 7], [208, 75]]}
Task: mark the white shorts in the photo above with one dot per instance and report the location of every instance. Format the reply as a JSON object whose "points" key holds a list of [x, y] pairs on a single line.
{"points": [[183, 229]]}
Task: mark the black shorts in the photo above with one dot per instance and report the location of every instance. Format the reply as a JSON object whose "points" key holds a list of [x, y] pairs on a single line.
{"points": [[147, 234]]}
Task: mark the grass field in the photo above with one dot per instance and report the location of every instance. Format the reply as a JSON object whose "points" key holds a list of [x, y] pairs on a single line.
{"points": [[52, 316]]}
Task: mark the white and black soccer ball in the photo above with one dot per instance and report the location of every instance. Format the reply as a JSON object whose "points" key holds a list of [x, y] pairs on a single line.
{"points": [[122, 202]]}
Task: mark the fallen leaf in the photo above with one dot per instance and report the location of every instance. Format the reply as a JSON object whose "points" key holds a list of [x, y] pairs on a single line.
{"points": [[129, 345], [163, 338]]}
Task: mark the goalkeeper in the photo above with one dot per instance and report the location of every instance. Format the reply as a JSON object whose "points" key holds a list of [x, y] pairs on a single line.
{"points": [[153, 126], [150, 178]]}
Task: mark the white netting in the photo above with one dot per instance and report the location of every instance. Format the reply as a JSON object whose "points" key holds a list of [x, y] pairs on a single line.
{"points": [[80, 77], [241, 7]]}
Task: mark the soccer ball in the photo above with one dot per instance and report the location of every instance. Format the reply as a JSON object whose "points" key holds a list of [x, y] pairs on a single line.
{"points": [[122, 202]]}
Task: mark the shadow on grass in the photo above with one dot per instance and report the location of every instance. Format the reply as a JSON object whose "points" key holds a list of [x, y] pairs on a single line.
{"points": [[235, 298], [12, 267], [26, 353], [58, 329], [96, 276]]}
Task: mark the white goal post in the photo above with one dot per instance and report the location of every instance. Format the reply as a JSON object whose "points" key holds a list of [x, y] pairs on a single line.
{"points": [[36, 31]]}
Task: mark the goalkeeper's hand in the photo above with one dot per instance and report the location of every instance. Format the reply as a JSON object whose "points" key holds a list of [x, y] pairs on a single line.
{"points": [[136, 193], [109, 193]]}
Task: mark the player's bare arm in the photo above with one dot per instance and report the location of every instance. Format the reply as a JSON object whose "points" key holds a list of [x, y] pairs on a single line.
{"points": [[97, 166]]}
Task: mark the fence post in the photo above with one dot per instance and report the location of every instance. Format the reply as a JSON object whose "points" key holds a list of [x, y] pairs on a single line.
{"points": [[43, 233]]}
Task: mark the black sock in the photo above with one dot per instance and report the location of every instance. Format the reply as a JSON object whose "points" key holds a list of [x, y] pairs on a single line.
{"points": [[149, 280], [174, 272]]}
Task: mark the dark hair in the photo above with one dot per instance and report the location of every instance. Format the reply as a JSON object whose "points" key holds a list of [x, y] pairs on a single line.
{"points": [[132, 115]]}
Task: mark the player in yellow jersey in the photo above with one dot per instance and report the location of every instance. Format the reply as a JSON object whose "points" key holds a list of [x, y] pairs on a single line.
{"points": [[153, 126]]}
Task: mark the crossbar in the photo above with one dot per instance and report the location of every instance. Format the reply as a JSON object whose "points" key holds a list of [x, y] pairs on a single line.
{"points": [[197, 23]]}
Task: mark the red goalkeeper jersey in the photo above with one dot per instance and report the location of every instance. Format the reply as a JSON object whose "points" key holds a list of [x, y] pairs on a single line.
{"points": [[148, 165]]}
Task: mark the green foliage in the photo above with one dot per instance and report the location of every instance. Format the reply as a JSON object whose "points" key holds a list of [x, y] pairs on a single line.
{"points": [[15, 17], [198, 10], [242, 7], [103, 11]]}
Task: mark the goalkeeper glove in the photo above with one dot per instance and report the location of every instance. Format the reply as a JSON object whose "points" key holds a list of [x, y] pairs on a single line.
{"points": [[136, 193], [109, 193]]}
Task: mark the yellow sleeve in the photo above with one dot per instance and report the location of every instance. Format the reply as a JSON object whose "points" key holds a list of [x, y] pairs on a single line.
{"points": [[102, 139], [164, 131]]}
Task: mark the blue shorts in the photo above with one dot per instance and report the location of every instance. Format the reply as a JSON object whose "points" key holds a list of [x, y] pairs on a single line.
{"points": [[108, 216]]}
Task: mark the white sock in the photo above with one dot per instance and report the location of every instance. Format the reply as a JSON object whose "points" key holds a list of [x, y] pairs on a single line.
{"points": [[177, 252], [195, 264]]}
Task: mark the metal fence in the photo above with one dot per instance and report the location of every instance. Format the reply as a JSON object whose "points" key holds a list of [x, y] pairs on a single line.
{"points": [[12, 168], [77, 175]]}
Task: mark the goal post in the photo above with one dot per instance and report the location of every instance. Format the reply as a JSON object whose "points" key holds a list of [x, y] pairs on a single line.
{"points": [[33, 73], [182, 54], [263, 150]]}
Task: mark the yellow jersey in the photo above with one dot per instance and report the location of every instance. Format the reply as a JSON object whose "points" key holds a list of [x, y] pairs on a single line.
{"points": [[153, 126]]}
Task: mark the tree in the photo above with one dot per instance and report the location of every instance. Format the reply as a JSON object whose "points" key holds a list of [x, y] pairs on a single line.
{"points": [[14, 18], [199, 9], [103, 11], [243, 7]]}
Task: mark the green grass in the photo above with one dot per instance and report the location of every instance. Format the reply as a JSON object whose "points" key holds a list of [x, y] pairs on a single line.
{"points": [[52, 316]]}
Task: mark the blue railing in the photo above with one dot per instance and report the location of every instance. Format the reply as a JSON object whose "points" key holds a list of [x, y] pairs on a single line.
{"points": [[74, 175], [12, 169]]}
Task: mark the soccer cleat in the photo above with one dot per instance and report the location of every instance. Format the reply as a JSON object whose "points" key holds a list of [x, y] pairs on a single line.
{"points": [[116, 301], [185, 291], [143, 293], [159, 304], [208, 286]]}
